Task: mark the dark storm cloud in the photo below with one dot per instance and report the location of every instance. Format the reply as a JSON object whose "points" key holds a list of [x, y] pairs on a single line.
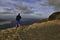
{"points": [[55, 3], [23, 8]]}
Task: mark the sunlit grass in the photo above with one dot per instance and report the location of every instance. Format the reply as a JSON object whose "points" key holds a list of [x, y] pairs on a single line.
{"points": [[49, 30]]}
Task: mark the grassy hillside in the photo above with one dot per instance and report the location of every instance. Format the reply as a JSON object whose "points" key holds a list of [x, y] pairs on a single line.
{"points": [[49, 30]]}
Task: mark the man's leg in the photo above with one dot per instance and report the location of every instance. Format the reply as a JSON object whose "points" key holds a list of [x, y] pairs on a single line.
{"points": [[17, 24]]}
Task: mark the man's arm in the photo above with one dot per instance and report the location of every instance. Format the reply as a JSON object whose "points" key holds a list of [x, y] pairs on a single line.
{"points": [[20, 17]]}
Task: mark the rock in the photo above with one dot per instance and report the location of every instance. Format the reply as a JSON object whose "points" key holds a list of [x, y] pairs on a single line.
{"points": [[54, 16]]}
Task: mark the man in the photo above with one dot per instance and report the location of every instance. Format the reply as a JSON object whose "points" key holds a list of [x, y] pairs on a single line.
{"points": [[18, 18]]}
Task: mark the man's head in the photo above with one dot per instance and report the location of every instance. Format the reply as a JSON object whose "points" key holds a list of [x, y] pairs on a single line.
{"points": [[18, 13]]}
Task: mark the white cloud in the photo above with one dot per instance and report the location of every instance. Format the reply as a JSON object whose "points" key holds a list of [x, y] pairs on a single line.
{"points": [[5, 1], [4, 4], [27, 6], [2, 9]]}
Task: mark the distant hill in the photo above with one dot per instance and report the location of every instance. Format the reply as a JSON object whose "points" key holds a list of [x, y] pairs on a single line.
{"points": [[55, 15]]}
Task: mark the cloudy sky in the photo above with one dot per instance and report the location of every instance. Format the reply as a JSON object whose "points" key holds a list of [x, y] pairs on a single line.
{"points": [[33, 8]]}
